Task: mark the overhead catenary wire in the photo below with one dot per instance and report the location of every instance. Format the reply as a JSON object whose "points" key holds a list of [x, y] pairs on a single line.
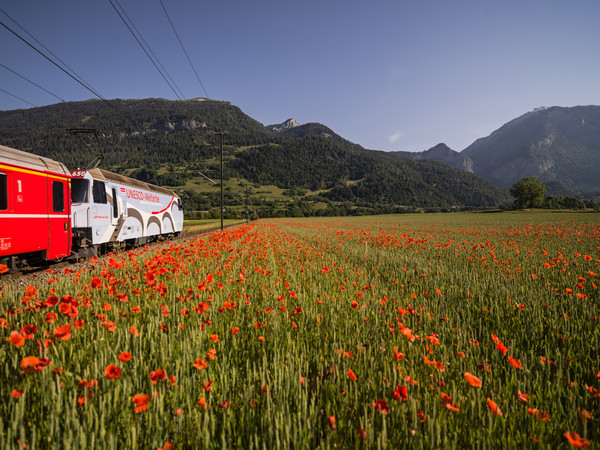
{"points": [[143, 48], [150, 49], [48, 50], [35, 84], [183, 48], [71, 73], [17, 97], [213, 182]]}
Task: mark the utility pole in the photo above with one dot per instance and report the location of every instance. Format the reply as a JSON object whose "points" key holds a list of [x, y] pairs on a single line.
{"points": [[221, 134]]}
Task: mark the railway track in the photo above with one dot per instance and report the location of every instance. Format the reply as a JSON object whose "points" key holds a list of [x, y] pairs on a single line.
{"points": [[50, 269]]}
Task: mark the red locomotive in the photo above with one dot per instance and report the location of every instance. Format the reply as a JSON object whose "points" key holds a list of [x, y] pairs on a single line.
{"points": [[47, 213]]}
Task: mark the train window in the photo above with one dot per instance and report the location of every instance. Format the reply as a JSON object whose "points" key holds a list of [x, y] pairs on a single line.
{"points": [[115, 203], [80, 191], [99, 192], [58, 196], [3, 192]]}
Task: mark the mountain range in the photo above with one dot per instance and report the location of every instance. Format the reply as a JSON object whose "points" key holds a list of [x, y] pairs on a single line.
{"points": [[560, 146], [293, 169]]}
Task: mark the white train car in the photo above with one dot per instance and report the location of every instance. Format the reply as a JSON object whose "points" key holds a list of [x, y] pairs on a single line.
{"points": [[113, 210]]}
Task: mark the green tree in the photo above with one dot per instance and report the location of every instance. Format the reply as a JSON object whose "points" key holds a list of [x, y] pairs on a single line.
{"points": [[528, 192]]}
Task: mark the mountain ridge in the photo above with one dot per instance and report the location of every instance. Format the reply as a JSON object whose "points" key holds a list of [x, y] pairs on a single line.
{"points": [[553, 144], [441, 152]]}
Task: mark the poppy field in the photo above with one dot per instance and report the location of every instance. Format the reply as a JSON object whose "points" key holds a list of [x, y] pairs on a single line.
{"points": [[413, 331]]}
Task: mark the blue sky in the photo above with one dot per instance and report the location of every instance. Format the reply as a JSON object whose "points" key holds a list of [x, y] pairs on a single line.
{"points": [[388, 75]]}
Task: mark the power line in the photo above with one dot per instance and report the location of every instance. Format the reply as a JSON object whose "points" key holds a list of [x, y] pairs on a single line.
{"points": [[37, 85], [150, 49], [47, 49], [13, 95], [140, 44], [183, 48], [70, 75]]}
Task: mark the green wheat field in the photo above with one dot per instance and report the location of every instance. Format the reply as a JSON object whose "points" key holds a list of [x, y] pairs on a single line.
{"points": [[466, 330]]}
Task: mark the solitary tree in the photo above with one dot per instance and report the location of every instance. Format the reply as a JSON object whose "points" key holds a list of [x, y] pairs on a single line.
{"points": [[528, 192]]}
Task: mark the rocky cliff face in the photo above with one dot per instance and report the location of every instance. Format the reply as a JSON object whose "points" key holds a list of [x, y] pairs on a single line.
{"points": [[288, 124], [551, 144]]}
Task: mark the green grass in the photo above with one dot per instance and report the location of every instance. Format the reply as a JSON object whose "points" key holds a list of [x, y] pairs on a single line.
{"points": [[206, 225]]}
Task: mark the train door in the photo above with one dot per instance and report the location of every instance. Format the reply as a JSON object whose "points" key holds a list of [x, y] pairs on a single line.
{"points": [[100, 215], [59, 220], [6, 228], [115, 207], [24, 214]]}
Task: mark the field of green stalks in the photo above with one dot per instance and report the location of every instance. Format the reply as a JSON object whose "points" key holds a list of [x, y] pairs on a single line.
{"points": [[424, 331]]}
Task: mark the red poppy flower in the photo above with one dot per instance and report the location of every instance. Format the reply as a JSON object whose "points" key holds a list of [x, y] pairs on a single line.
{"points": [[351, 375], [63, 332], [523, 397], [331, 420], [16, 393], [593, 391], [494, 407], [448, 403], [200, 364], [16, 339], [202, 403], [539, 414], [575, 440], [141, 401], [31, 291], [51, 317], [156, 376], [125, 356], [401, 392], [112, 372], [515, 363], [83, 399], [32, 364], [381, 406], [472, 380], [502, 348], [397, 355]]}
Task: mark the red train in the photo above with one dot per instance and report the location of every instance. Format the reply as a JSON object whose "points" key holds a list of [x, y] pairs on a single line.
{"points": [[34, 208], [43, 219]]}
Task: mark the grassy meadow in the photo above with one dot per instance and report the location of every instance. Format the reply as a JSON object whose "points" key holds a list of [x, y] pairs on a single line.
{"points": [[423, 331], [197, 226]]}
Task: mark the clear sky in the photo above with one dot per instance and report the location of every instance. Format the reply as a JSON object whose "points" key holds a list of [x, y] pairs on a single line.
{"points": [[388, 75]]}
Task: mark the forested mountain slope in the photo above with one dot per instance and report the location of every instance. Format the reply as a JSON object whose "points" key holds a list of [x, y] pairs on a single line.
{"points": [[305, 169]]}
